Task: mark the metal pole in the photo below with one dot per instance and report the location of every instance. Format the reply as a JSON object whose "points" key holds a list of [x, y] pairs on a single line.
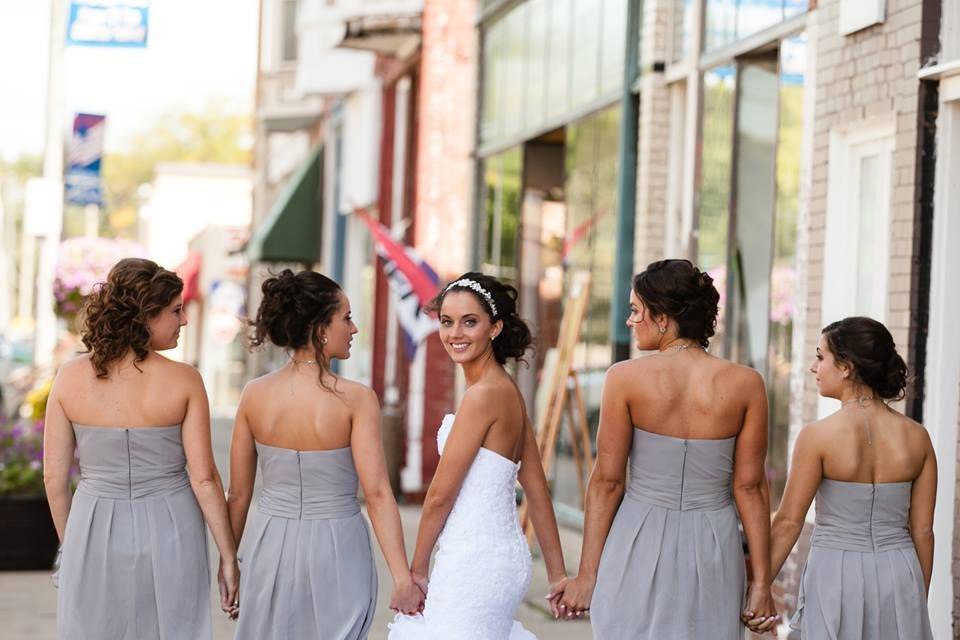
{"points": [[45, 338], [626, 187]]}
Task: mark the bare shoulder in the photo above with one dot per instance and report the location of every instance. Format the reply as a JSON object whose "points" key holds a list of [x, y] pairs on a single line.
{"points": [[75, 368], [626, 370], [357, 394], [740, 374], [487, 398], [817, 432], [917, 432]]}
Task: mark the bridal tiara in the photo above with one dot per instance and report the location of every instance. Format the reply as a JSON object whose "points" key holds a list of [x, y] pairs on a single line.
{"points": [[473, 285]]}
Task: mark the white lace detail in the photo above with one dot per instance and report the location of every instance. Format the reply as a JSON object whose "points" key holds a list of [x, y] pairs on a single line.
{"points": [[482, 567]]}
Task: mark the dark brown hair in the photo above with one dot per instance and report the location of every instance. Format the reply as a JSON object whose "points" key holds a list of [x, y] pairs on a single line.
{"points": [[114, 317], [515, 337], [867, 347], [294, 305], [679, 290]]}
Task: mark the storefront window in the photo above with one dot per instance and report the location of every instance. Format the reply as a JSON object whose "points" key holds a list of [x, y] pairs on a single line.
{"points": [[731, 20], [682, 26], [501, 223], [783, 276], [590, 245], [716, 155]]}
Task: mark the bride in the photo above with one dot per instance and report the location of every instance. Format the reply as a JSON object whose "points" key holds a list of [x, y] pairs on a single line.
{"points": [[482, 567]]}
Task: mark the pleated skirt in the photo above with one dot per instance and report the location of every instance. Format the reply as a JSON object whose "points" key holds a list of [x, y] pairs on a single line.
{"points": [[306, 579], [670, 574], [134, 569], [853, 595]]}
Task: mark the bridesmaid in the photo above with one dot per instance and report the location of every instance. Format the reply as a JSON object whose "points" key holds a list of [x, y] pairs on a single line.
{"points": [[134, 563], [874, 474], [308, 570], [662, 555]]}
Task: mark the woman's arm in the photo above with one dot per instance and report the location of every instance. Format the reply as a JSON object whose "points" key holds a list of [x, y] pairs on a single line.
{"points": [[806, 472], [58, 447], [367, 447], [752, 495], [606, 487], [923, 497], [243, 470], [207, 487], [469, 430], [540, 505]]}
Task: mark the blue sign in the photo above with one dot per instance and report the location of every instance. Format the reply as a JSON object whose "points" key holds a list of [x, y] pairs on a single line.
{"points": [[82, 184], [108, 23]]}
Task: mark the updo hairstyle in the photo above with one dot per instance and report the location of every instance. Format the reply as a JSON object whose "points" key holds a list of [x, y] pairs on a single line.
{"points": [[679, 290], [294, 306], [867, 347]]}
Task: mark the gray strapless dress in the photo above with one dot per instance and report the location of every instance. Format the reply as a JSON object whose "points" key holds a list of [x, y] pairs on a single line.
{"points": [[862, 580], [134, 563], [306, 565], [673, 565]]}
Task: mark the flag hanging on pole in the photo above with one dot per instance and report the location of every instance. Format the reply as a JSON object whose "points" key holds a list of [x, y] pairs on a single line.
{"points": [[413, 282]]}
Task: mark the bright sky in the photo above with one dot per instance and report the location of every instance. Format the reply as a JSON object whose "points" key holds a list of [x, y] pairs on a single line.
{"points": [[198, 52]]}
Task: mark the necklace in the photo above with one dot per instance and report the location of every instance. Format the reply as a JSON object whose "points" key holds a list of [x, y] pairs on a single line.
{"points": [[295, 361], [862, 401], [684, 347]]}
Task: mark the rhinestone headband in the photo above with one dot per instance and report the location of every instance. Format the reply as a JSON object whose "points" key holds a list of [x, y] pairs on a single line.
{"points": [[473, 285]]}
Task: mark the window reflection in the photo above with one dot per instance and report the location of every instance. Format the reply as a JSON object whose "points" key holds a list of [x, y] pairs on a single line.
{"points": [[502, 175], [716, 151], [731, 20]]}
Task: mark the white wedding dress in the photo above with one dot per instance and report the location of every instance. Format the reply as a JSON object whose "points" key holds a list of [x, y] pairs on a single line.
{"points": [[482, 566]]}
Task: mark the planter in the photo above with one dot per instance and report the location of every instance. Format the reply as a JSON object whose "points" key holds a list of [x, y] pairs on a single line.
{"points": [[28, 539]]}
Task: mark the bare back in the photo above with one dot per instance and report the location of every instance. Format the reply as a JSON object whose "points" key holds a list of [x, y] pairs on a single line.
{"points": [[894, 451], [689, 395], [155, 395], [288, 408]]}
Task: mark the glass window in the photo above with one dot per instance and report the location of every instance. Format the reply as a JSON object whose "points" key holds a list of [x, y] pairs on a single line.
{"points": [[558, 51], [537, 63], [590, 244], [491, 120], [731, 20], [783, 275], [716, 155], [613, 45], [514, 53], [682, 26], [586, 48], [289, 30], [501, 224]]}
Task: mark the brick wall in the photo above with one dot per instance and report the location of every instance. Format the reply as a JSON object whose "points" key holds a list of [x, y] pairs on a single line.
{"points": [[653, 138], [871, 73], [444, 178]]}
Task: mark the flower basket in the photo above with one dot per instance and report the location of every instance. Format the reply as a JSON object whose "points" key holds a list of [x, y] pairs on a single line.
{"points": [[28, 539], [82, 263]]}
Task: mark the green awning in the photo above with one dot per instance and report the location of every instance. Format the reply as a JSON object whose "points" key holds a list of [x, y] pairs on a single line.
{"points": [[291, 232]]}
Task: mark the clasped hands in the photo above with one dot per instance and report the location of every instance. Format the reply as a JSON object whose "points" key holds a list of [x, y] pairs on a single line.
{"points": [[409, 594], [569, 598]]}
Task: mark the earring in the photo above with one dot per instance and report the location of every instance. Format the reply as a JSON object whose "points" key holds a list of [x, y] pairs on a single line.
{"points": [[323, 340], [662, 330]]}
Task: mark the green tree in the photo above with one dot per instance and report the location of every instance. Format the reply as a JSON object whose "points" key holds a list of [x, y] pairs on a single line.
{"points": [[211, 135]]}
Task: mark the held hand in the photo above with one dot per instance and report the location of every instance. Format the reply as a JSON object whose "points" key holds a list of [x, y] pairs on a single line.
{"points": [[228, 580], [556, 594], [576, 597], [407, 597], [419, 579], [760, 615]]}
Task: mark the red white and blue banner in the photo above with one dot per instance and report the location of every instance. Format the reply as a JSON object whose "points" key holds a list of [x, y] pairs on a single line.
{"points": [[108, 23], [82, 183], [413, 283]]}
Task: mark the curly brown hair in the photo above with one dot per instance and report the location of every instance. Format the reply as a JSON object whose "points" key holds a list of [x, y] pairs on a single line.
{"points": [[114, 317]]}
